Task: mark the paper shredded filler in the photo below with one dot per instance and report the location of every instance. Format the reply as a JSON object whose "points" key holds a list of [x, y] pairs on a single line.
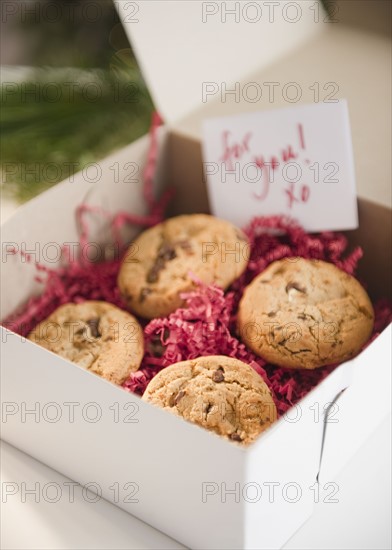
{"points": [[206, 324]]}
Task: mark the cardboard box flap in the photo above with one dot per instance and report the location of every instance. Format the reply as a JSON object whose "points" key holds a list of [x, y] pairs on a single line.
{"points": [[319, 71], [347, 436], [42, 230], [216, 42]]}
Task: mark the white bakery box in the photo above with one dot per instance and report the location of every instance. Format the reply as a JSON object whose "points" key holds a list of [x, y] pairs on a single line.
{"points": [[202, 490]]}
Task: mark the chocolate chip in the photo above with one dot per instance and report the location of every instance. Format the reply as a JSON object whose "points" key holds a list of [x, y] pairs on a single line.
{"points": [[179, 396], [152, 275], [93, 326], [166, 252], [186, 246], [218, 376], [144, 293], [296, 287], [235, 437], [272, 314]]}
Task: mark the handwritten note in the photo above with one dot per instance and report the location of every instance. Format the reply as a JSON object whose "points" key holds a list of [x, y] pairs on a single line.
{"points": [[296, 161]]}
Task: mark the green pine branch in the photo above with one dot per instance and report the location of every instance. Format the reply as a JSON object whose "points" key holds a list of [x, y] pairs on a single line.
{"points": [[69, 119]]}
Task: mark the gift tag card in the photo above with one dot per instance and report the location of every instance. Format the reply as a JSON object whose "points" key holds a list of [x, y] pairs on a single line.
{"points": [[295, 161]]}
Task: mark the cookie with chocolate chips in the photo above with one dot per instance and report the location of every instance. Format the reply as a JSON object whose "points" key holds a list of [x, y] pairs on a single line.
{"points": [[305, 314], [158, 266], [96, 335], [219, 393]]}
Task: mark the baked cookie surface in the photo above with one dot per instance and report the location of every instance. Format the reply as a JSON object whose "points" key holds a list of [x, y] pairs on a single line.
{"points": [[156, 269], [219, 393], [305, 314], [98, 336]]}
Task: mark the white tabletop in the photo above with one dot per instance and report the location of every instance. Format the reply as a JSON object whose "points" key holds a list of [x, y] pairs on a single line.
{"points": [[360, 520]]}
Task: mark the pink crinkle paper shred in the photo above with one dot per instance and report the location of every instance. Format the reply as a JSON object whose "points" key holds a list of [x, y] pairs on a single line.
{"points": [[206, 325]]}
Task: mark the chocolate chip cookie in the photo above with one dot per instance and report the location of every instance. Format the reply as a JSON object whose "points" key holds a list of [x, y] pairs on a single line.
{"points": [[305, 314], [96, 335], [157, 267], [219, 393]]}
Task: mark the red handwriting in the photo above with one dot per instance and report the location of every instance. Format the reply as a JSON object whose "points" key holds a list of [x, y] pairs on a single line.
{"points": [[266, 175], [301, 136], [266, 167], [234, 151], [302, 196]]}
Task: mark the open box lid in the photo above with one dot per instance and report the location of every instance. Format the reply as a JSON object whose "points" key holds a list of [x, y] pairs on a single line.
{"points": [[328, 58], [181, 45]]}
